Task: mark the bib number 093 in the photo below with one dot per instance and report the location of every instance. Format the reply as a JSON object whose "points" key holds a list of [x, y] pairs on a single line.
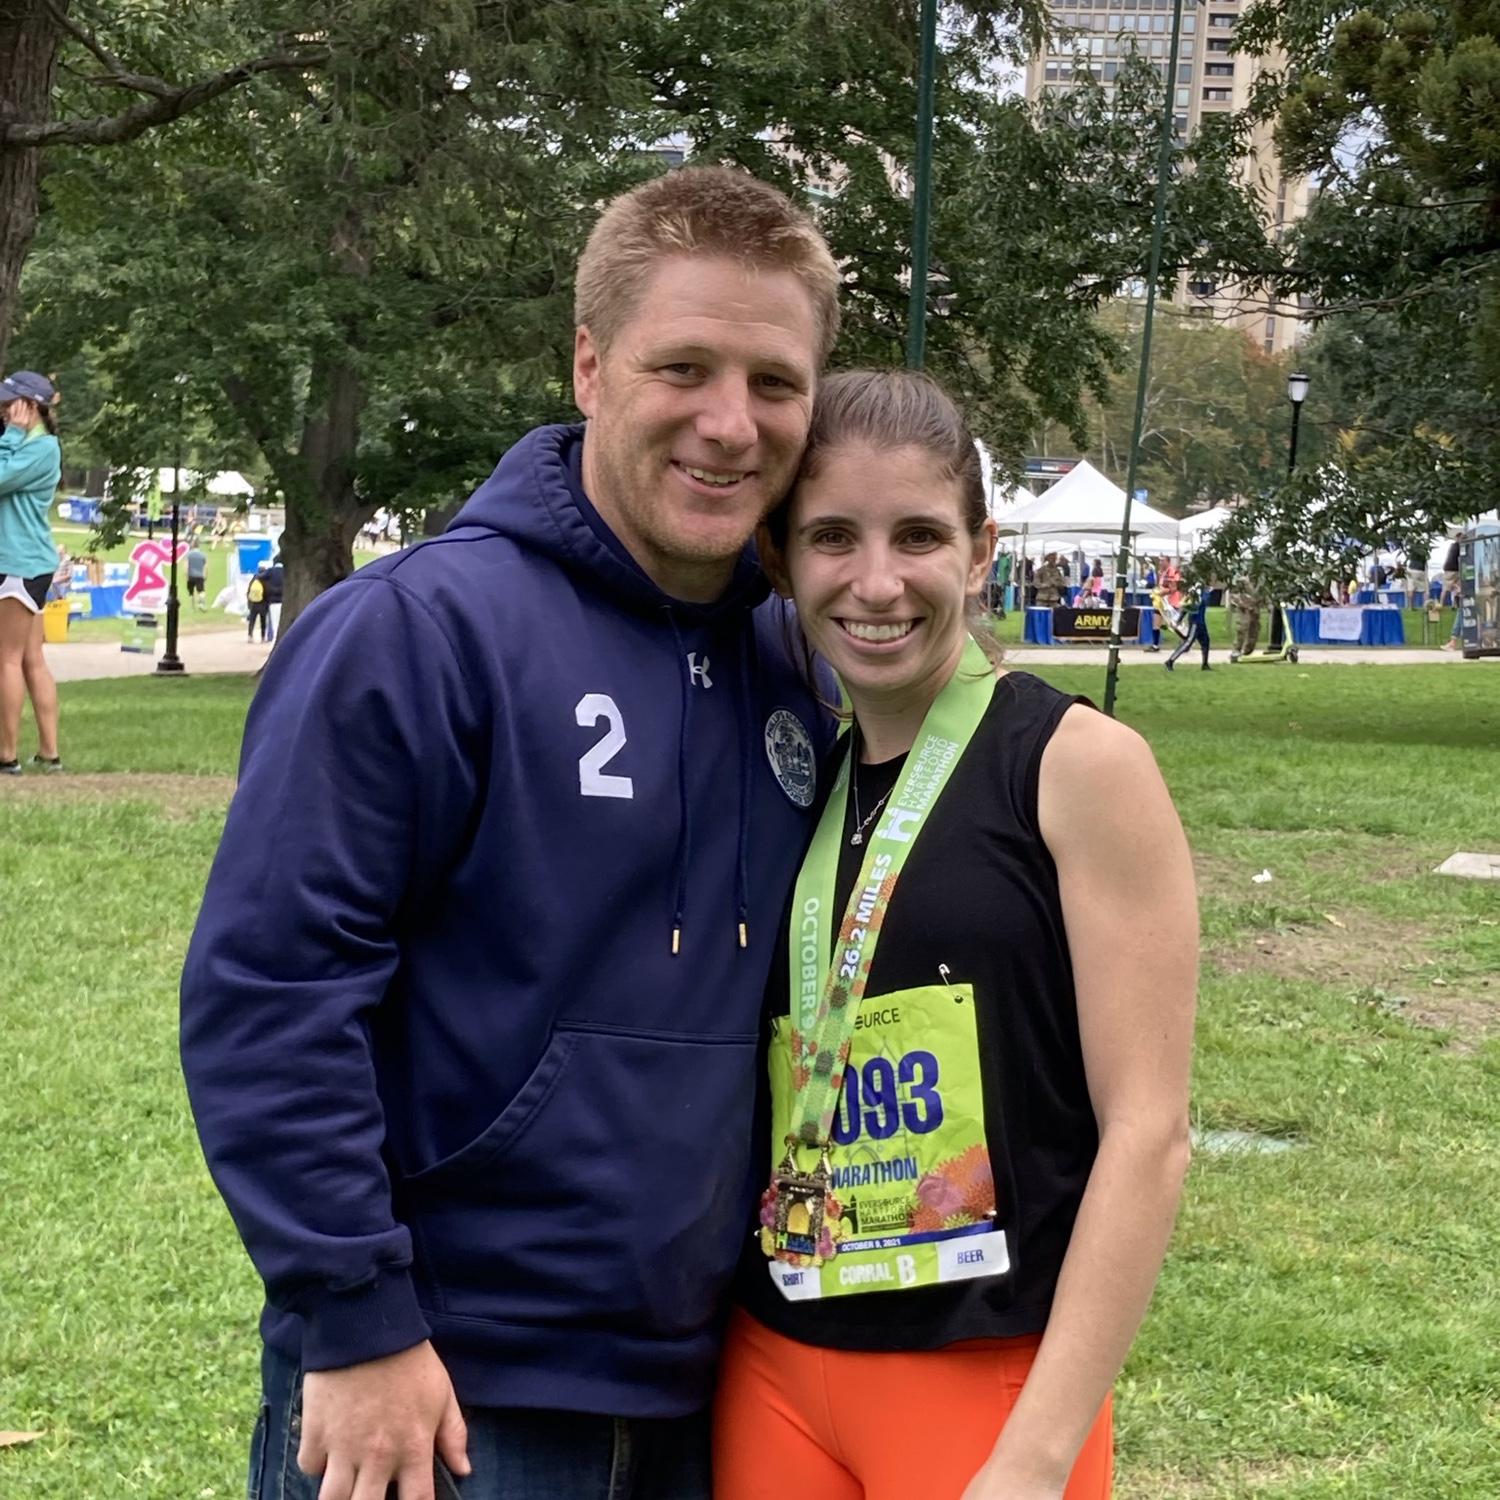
{"points": [[883, 1097]]}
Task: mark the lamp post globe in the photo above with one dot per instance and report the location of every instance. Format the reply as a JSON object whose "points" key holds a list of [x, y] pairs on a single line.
{"points": [[1296, 392]]}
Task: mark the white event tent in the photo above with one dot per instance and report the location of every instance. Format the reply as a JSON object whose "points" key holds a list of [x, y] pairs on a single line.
{"points": [[1084, 503], [225, 482], [1195, 529]]}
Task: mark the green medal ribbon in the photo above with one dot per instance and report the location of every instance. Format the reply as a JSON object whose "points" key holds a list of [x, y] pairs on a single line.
{"points": [[828, 979]]}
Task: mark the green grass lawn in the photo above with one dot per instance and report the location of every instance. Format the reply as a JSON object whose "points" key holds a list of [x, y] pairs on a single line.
{"points": [[1326, 1322]]}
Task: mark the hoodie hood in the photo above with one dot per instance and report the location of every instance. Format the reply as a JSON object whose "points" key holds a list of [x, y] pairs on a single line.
{"points": [[536, 498]]}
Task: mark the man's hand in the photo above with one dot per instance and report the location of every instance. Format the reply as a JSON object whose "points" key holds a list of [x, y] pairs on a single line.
{"points": [[371, 1425]]}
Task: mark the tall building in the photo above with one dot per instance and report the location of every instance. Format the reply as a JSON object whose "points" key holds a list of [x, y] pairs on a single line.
{"points": [[1211, 79]]}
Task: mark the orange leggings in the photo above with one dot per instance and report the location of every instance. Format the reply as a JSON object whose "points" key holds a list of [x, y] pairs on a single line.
{"points": [[793, 1419]]}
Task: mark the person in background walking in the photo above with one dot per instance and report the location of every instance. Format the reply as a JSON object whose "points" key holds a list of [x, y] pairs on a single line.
{"points": [[197, 575], [1171, 580], [1196, 617], [1416, 576], [1452, 587], [275, 593], [259, 606], [1246, 621], [1049, 582], [30, 470]]}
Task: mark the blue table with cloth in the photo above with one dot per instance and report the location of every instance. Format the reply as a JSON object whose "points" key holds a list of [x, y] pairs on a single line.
{"points": [[1378, 626]]}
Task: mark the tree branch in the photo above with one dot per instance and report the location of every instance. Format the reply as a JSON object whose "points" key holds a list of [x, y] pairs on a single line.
{"points": [[160, 109], [117, 71]]}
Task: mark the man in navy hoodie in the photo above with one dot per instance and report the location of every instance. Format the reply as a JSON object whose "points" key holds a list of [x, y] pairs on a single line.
{"points": [[470, 1015]]}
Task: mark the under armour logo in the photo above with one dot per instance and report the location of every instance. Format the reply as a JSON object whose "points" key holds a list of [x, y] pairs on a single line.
{"points": [[697, 674]]}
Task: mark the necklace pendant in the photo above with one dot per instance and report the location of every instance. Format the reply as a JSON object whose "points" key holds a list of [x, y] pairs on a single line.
{"points": [[857, 837]]}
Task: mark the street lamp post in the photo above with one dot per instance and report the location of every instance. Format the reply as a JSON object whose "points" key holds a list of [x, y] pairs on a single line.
{"points": [[916, 319], [1296, 392], [170, 664]]}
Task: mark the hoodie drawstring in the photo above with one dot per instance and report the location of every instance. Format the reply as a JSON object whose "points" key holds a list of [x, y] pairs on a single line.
{"points": [[684, 824], [749, 657], [749, 660]]}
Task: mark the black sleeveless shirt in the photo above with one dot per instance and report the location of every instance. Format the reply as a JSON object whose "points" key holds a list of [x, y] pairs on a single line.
{"points": [[979, 897]]}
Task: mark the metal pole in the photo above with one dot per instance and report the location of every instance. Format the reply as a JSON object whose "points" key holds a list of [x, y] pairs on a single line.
{"points": [[171, 664], [916, 318], [1163, 170], [1291, 458]]}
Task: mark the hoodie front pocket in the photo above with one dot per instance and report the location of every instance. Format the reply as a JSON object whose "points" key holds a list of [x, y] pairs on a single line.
{"points": [[612, 1193], [498, 1136]]}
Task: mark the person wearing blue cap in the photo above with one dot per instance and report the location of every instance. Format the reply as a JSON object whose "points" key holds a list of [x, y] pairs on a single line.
{"points": [[30, 470]]}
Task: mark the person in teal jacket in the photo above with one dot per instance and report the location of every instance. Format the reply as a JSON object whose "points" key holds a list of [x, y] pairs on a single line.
{"points": [[30, 469]]}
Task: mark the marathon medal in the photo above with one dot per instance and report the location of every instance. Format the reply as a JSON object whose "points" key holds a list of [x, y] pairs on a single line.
{"points": [[800, 1219]]}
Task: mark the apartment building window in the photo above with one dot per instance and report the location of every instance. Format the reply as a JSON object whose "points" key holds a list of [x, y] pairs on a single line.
{"points": [[1220, 44], [1110, 70], [1158, 47], [1187, 48], [1182, 98], [1203, 288], [1189, 23], [1179, 125], [1050, 75], [1218, 70], [1159, 23], [1184, 73], [1216, 96], [1220, 23]]}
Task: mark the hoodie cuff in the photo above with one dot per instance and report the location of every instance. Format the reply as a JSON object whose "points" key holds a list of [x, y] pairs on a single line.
{"points": [[365, 1322]]}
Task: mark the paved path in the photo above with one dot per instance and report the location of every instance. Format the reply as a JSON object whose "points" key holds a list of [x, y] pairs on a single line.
{"points": [[226, 651], [200, 652]]}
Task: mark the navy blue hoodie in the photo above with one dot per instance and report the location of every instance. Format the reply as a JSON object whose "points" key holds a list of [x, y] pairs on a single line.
{"points": [[448, 1071]]}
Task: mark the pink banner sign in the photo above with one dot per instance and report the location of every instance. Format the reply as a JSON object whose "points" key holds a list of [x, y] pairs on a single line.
{"points": [[147, 590]]}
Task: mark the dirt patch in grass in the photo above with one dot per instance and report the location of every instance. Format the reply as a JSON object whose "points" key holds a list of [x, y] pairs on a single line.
{"points": [[180, 795], [1387, 958]]}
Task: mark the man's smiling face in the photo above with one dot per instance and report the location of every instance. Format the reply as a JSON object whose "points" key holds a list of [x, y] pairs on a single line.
{"points": [[698, 413]]}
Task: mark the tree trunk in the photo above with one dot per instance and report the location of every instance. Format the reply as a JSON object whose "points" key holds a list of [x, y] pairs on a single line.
{"points": [[28, 64], [323, 522]]}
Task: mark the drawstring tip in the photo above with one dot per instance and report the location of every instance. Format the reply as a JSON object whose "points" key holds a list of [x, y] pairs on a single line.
{"points": [[744, 936], [676, 941]]}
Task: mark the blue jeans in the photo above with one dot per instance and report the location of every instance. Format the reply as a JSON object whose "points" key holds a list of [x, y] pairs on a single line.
{"points": [[516, 1454]]}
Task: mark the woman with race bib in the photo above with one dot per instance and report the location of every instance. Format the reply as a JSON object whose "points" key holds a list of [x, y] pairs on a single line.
{"points": [[979, 1038]]}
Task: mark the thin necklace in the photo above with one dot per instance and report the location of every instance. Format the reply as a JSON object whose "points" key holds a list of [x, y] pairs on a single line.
{"points": [[858, 836]]}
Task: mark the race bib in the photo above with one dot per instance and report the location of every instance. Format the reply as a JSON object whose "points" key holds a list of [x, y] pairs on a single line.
{"points": [[911, 1165]]}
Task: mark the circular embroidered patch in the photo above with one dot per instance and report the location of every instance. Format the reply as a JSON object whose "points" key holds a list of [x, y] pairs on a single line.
{"points": [[789, 748]]}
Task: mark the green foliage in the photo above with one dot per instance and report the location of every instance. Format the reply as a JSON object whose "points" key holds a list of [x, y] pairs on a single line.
{"points": [[1397, 110], [1215, 413], [365, 271]]}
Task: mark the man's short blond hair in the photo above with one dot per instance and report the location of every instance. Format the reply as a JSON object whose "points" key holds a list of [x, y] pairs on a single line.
{"points": [[707, 211]]}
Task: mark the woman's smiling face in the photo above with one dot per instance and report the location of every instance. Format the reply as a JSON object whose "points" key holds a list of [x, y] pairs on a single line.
{"points": [[882, 566]]}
